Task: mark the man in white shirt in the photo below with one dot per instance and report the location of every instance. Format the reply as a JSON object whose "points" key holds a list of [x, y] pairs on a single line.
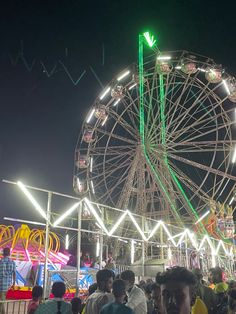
{"points": [[103, 293], [136, 296]]}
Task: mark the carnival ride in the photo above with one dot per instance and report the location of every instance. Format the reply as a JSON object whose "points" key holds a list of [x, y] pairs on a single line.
{"points": [[158, 140], [27, 250]]}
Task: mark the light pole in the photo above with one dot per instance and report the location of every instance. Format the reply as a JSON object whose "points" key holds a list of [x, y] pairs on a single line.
{"points": [[45, 279]]}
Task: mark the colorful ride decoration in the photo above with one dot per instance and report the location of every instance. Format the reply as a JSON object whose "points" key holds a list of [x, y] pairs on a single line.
{"points": [[220, 223], [27, 250]]}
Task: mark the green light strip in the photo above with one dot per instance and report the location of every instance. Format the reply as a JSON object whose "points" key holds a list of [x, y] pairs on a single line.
{"points": [[162, 105], [141, 89], [142, 124]]}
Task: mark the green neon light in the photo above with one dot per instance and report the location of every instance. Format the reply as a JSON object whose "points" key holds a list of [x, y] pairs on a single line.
{"points": [[162, 105], [141, 89], [149, 39]]}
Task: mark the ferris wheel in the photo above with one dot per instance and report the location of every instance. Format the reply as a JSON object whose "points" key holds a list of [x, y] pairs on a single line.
{"points": [[187, 160]]}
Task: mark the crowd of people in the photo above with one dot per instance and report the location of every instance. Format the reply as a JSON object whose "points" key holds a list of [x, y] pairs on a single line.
{"points": [[175, 291]]}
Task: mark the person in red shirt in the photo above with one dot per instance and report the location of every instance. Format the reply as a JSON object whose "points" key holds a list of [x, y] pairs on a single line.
{"points": [[37, 294]]}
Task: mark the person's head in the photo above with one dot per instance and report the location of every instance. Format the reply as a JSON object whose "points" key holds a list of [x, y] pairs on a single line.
{"points": [[155, 293], [92, 288], [58, 289], [198, 274], [76, 305], [6, 252], [216, 275], [118, 289], [37, 293], [177, 287], [232, 284], [147, 291], [105, 279], [129, 277]]}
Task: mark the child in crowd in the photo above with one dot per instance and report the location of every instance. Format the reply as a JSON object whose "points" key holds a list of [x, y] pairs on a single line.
{"points": [[76, 305], [37, 294]]}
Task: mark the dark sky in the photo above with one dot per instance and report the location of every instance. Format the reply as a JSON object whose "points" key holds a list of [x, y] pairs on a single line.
{"points": [[41, 117]]}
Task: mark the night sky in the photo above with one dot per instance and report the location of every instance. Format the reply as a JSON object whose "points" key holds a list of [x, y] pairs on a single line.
{"points": [[41, 116]]}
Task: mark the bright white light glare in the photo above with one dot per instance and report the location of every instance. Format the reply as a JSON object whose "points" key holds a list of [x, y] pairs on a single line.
{"points": [[136, 225], [154, 229], [175, 236], [231, 201], [202, 70], [67, 242], [234, 155], [116, 102], [32, 199], [132, 86], [202, 217], [226, 87], [92, 187], [66, 214], [94, 212], [90, 115], [178, 67], [169, 254], [224, 187], [116, 225], [91, 164], [104, 121], [132, 251], [123, 75], [121, 240], [97, 248], [105, 93], [163, 57]]}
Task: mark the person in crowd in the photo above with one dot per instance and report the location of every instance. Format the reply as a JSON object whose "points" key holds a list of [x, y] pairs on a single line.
{"points": [[177, 290], [56, 305], [203, 292], [220, 289], [232, 301], [92, 288], [117, 307], [7, 276], [156, 298], [37, 293], [76, 305], [147, 292], [103, 294], [216, 277], [136, 298]]}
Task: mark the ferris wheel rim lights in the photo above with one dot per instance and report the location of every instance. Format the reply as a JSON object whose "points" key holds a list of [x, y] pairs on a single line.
{"points": [[234, 155], [226, 86], [123, 75], [90, 115], [132, 86], [163, 58], [105, 93], [116, 102]]}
